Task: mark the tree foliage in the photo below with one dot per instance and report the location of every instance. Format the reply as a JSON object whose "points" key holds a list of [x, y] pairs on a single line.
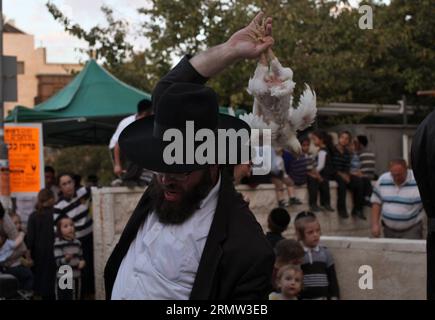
{"points": [[342, 62], [85, 161], [330, 52]]}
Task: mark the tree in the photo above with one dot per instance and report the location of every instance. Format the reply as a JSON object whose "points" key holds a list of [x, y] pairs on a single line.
{"points": [[110, 47], [340, 61], [85, 161]]}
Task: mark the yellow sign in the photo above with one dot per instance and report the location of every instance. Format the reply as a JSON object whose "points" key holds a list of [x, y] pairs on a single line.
{"points": [[26, 163]]}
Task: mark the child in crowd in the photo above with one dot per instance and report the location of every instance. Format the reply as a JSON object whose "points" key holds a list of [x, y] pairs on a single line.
{"points": [[289, 283], [40, 240], [280, 178], [287, 251], [68, 251], [15, 268], [355, 162], [299, 167], [7, 246], [26, 259], [320, 279], [318, 178], [277, 222]]}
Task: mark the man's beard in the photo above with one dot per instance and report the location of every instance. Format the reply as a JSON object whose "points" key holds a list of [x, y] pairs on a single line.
{"points": [[178, 212]]}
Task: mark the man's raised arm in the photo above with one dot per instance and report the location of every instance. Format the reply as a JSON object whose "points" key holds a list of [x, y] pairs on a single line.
{"points": [[247, 43]]}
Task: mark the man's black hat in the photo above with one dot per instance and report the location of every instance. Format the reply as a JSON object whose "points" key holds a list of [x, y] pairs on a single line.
{"points": [[142, 141]]}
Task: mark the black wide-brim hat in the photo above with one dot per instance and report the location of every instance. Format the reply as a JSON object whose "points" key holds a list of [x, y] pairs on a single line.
{"points": [[142, 141]]}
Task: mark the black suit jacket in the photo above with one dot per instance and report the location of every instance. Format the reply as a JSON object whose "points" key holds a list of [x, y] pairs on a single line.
{"points": [[423, 166], [237, 260]]}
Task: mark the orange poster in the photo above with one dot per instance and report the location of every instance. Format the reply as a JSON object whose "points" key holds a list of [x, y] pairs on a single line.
{"points": [[26, 163]]}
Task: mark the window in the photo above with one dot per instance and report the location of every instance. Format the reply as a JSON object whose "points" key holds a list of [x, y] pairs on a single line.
{"points": [[20, 67]]}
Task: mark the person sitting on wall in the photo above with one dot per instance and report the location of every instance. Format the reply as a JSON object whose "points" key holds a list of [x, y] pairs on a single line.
{"points": [[341, 159]]}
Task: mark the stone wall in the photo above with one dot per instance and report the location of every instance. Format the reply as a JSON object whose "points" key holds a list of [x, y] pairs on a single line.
{"points": [[113, 206], [262, 199], [111, 209], [398, 267]]}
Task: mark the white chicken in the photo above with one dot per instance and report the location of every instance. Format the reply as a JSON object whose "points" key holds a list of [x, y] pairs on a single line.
{"points": [[272, 87]]}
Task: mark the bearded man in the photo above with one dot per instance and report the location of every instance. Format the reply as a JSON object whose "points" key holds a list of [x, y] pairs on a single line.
{"points": [[191, 236]]}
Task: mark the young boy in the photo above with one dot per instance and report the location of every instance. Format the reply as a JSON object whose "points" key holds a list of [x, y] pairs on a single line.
{"points": [[287, 251], [298, 168], [320, 279], [289, 283], [23, 274], [277, 222], [279, 178], [8, 246]]}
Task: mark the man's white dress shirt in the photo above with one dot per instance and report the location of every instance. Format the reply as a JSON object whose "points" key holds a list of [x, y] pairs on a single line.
{"points": [[162, 261]]}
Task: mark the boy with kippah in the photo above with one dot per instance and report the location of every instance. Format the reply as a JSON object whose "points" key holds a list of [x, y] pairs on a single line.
{"points": [[277, 222], [320, 279]]}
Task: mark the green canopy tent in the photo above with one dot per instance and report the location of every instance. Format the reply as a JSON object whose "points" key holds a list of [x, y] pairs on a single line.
{"points": [[86, 111]]}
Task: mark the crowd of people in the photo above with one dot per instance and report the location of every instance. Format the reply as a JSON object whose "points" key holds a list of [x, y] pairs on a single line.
{"points": [[349, 163], [303, 268], [394, 199], [58, 233], [192, 235]]}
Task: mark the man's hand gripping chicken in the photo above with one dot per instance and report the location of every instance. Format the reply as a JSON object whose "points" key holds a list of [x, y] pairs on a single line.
{"points": [[272, 87]]}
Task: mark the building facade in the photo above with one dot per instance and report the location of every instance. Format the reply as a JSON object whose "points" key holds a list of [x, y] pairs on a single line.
{"points": [[37, 79]]}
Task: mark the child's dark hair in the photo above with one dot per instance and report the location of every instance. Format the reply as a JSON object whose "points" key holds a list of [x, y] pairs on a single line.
{"points": [[287, 267], [287, 250], [44, 195], [302, 218], [58, 223], [362, 139], [303, 138], [49, 169], [278, 220], [326, 139]]}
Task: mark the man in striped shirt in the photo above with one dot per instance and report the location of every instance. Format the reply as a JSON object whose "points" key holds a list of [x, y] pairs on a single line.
{"points": [[396, 203], [75, 203]]}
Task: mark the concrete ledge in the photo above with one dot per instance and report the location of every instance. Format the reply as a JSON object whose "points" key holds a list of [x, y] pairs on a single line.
{"points": [[263, 199], [398, 267], [384, 244]]}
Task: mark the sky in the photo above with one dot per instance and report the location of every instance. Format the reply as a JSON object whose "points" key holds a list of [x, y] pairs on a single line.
{"points": [[32, 17]]}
